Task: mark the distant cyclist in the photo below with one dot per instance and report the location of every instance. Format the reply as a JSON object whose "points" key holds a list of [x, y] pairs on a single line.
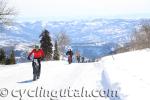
{"points": [[78, 56], [37, 55], [69, 54]]}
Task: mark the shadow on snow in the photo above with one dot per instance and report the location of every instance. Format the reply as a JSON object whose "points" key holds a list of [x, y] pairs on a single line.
{"points": [[26, 81]]}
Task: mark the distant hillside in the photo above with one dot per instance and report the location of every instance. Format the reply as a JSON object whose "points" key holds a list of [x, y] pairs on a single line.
{"points": [[94, 38]]}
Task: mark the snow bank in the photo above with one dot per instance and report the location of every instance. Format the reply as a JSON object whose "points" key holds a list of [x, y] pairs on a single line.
{"points": [[129, 72]]}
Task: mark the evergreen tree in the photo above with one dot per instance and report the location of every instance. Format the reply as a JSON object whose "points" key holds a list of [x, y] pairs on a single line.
{"points": [[12, 57], [2, 56], [7, 61], [46, 44], [56, 52]]}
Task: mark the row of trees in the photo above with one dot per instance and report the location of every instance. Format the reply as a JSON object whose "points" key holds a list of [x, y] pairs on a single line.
{"points": [[7, 60], [60, 42], [140, 38]]}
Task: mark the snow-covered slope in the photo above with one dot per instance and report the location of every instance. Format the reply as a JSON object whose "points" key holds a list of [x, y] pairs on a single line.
{"points": [[130, 73], [54, 76], [122, 77]]}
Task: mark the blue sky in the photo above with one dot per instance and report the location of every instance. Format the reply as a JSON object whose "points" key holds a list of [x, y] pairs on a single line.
{"points": [[76, 9]]}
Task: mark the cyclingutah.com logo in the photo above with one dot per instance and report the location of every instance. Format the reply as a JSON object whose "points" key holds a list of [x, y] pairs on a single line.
{"points": [[42, 93]]}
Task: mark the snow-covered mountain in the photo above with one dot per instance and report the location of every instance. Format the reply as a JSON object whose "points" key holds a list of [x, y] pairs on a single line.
{"points": [[100, 33], [87, 31]]}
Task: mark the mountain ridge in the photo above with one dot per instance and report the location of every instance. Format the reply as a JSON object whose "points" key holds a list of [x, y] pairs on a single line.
{"points": [[95, 33]]}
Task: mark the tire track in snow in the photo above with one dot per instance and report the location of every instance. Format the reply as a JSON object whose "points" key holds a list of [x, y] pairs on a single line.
{"points": [[106, 83]]}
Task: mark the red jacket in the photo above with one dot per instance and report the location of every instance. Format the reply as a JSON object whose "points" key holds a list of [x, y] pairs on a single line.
{"points": [[37, 54]]}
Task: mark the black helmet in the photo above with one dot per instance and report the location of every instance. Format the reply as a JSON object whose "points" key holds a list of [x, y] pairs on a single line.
{"points": [[37, 47]]}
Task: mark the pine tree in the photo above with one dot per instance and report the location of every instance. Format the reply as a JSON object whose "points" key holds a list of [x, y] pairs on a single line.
{"points": [[12, 57], [56, 52], [46, 44], [7, 61], [2, 56]]}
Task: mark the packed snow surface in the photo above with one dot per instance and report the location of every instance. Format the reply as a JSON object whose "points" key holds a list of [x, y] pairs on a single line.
{"points": [[119, 77]]}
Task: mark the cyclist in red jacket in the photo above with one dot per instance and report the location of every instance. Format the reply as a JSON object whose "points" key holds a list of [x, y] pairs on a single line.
{"points": [[37, 55]]}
